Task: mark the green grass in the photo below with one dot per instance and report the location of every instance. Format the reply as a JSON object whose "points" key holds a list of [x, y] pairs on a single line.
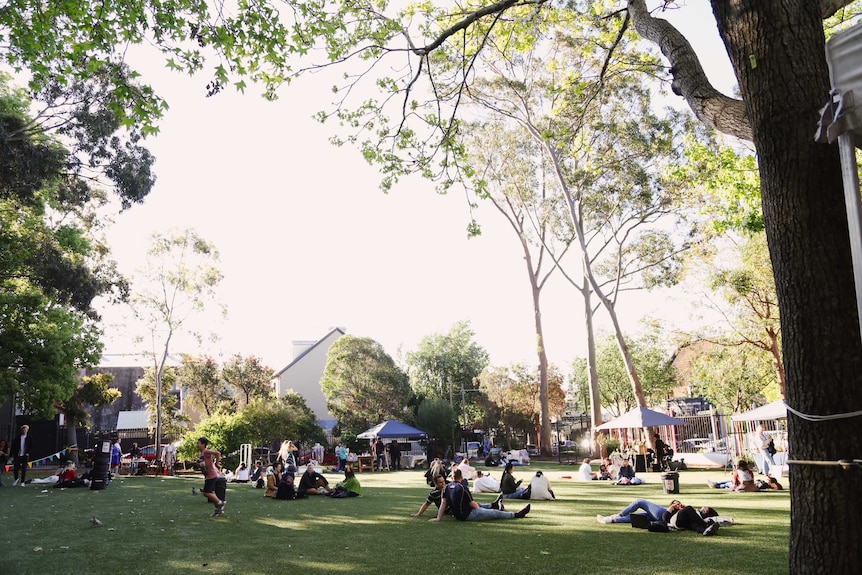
{"points": [[155, 525]]}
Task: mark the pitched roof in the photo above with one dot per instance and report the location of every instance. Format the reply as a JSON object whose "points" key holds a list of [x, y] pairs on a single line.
{"points": [[307, 351]]}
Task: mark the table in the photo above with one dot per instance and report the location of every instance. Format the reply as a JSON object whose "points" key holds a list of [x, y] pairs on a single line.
{"points": [[364, 463]]}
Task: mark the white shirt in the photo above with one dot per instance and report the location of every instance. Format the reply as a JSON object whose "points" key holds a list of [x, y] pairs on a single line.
{"points": [[486, 484], [467, 471], [585, 472], [21, 449], [540, 488]]}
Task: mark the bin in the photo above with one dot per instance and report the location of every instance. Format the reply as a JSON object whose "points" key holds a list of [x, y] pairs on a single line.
{"points": [[670, 482], [99, 476]]}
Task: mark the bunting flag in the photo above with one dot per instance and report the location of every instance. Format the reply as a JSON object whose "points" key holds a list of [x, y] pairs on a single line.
{"points": [[47, 458]]}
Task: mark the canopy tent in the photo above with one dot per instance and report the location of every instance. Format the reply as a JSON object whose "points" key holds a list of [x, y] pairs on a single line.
{"points": [[641, 417], [770, 411], [392, 429]]}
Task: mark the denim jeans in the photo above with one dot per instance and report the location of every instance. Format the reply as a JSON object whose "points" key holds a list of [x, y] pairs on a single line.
{"points": [[653, 510], [516, 495], [483, 514]]}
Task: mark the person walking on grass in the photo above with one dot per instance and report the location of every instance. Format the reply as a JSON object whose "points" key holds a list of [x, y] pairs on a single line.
{"points": [[210, 475]]}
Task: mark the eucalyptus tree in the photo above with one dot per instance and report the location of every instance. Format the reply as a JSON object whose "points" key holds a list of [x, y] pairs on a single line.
{"points": [[180, 280], [517, 180], [587, 109]]}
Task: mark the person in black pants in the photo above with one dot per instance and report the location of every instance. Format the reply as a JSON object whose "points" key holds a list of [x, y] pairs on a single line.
{"points": [[20, 448], [394, 456], [687, 517]]}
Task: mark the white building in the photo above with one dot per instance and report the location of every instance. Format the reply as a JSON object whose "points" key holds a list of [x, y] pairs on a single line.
{"points": [[304, 372]]}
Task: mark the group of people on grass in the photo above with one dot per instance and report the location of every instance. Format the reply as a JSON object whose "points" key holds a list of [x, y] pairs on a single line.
{"points": [[453, 497]]}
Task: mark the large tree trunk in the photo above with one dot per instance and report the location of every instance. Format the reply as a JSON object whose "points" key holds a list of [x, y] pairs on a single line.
{"points": [[777, 49], [592, 369]]}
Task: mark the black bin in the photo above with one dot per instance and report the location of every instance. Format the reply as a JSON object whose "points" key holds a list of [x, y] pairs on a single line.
{"points": [[670, 481], [99, 476]]}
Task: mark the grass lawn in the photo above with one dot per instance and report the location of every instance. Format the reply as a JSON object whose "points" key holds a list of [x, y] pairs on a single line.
{"points": [[155, 525]]}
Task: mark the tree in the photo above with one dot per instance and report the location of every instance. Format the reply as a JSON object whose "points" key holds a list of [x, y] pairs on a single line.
{"points": [[652, 363], [771, 45], [52, 264], [362, 384], [180, 280], [443, 365], [735, 379], [588, 112], [94, 390], [521, 187], [514, 392], [753, 317], [438, 419], [203, 384], [261, 422], [162, 405], [248, 378]]}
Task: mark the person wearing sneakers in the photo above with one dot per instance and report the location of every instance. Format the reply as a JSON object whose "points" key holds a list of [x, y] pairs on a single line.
{"points": [[211, 458], [20, 450], [653, 511], [676, 516], [457, 498]]}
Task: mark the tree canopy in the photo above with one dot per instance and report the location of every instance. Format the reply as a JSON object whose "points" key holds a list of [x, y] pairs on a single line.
{"points": [[362, 384]]}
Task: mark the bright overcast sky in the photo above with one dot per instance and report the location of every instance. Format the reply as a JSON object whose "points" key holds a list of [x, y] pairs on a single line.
{"points": [[309, 242]]}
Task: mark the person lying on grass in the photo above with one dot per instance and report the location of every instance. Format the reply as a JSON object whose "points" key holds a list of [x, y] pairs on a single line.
{"points": [[457, 498], [705, 520]]}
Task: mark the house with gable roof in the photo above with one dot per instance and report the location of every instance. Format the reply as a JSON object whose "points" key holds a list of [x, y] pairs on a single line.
{"points": [[304, 372]]}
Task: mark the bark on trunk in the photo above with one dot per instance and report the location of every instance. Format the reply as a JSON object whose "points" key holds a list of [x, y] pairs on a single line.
{"points": [[777, 49]]}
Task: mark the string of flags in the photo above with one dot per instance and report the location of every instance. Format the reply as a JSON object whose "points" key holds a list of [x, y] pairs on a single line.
{"points": [[47, 459]]}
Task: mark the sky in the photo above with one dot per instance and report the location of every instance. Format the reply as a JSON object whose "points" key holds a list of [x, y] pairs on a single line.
{"points": [[308, 241]]}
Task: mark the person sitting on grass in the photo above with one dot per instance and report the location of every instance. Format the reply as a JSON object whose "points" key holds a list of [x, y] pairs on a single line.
{"points": [[457, 498], [69, 477], [484, 483], [434, 497], [467, 470], [286, 489], [585, 472], [509, 487], [540, 487], [312, 482], [626, 474], [743, 479], [257, 477], [273, 478], [349, 487]]}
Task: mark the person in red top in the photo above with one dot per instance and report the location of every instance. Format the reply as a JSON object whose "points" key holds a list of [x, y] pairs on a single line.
{"points": [[210, 474]]}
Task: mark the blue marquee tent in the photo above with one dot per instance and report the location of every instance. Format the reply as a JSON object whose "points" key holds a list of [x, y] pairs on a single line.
{"points": [[392, 429]]}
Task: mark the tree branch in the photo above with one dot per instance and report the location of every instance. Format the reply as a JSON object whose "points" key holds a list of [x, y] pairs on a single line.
{"points": [[722, 112], [830, 7]]}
